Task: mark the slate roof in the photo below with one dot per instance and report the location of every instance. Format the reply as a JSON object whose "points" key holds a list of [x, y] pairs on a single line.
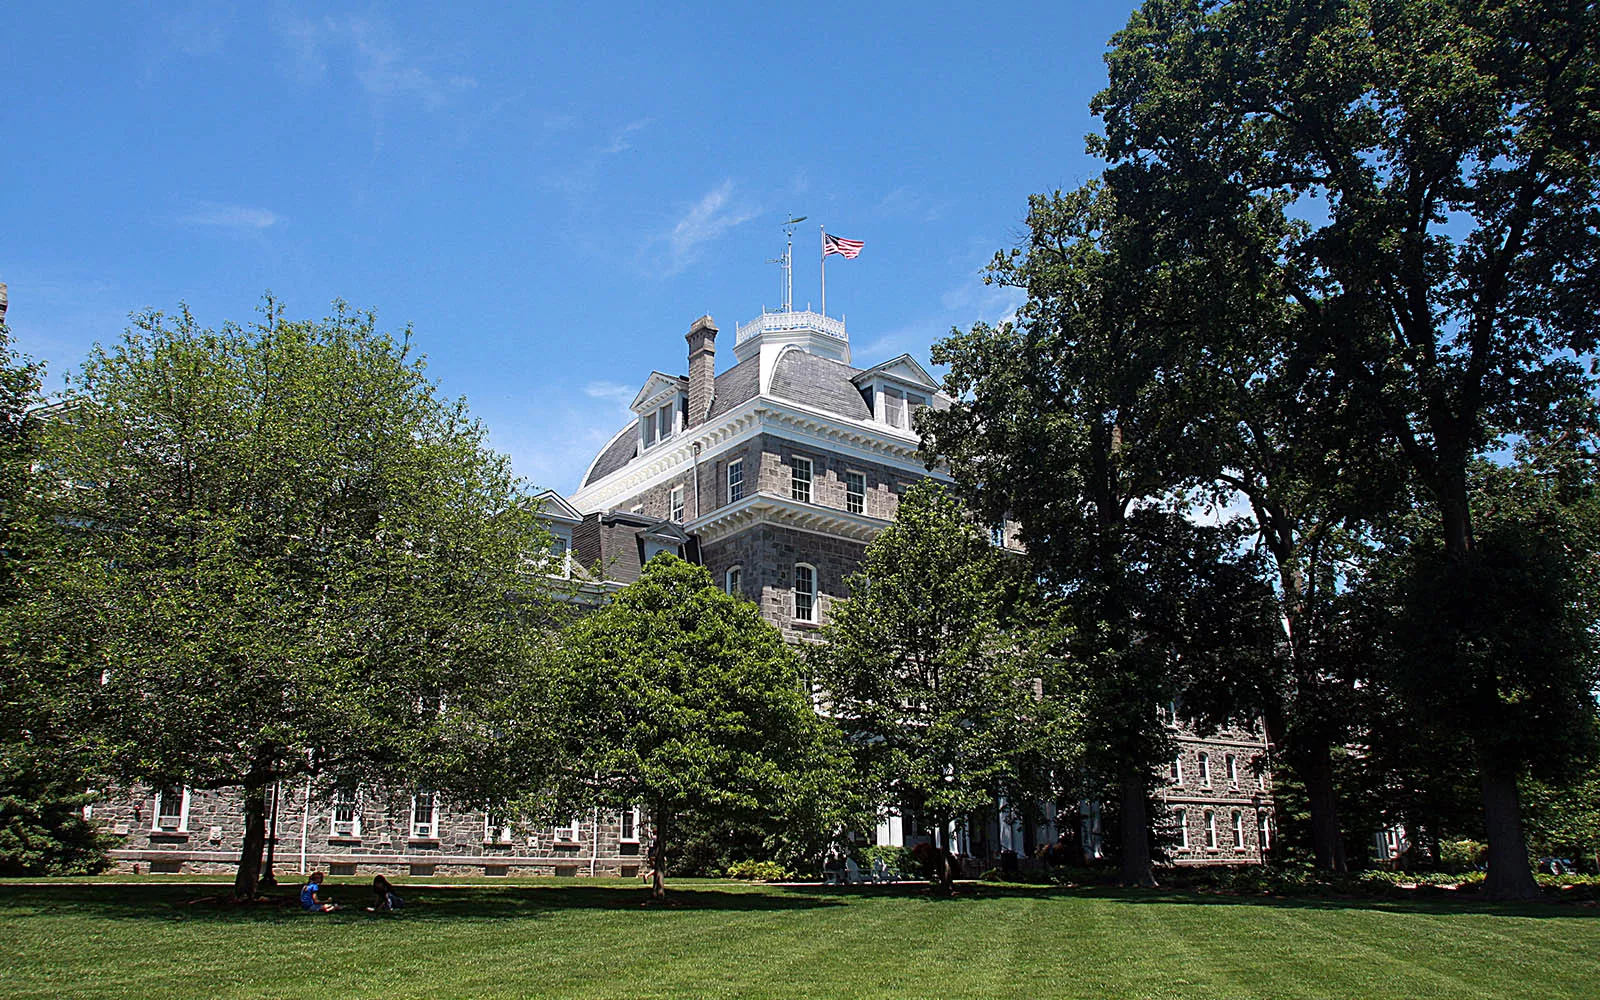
{"points": [[806, 378], [798, 377]]}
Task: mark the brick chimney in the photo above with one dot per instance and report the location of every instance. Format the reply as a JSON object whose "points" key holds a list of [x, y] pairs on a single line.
{"points": [[702, 339]]}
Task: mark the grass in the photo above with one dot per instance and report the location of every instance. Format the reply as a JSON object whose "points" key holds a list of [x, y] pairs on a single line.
{"points": [[580, 938]]}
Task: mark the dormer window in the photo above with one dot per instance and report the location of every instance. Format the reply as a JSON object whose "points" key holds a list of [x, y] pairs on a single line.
{"points": [[647, 428], [894, 408], [665, 423]]}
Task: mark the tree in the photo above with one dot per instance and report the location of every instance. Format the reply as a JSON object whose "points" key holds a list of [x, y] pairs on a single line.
{"points": [[938, 669], [1440, 156], [681, 699], [1068, 415], [43, 768], [293, 556]]}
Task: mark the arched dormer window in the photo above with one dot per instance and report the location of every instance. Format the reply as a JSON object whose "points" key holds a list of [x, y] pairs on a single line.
{"points": [[805, 592]]}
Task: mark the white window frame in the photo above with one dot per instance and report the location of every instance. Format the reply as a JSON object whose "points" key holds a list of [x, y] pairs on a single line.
{"points": [[1238, 830], [432, 823], [338, 800], [1183, 829], [1264, 830], [855, 502], [736, 480], [1211, 829], [628, 818], [894, 407], [1205, 769], [568, 832], [675, 504], [800, 486], [647, 429], [183, 812], [810, 594], [666, 421], [733, 580], [495, 832], [1231, 763], [1177, 770]]}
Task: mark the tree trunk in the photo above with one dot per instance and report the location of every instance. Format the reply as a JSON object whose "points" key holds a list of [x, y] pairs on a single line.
{"points": [[1135, 828], [658, 855], [1317, 772], [1510, 876], [255, 840]]}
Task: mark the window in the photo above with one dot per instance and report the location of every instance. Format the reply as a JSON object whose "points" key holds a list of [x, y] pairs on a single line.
{"points": [[894, 408], [1205, 769], [424, 815], [1233, 770], [1264, 830], [664, 421], [675, 503], [346, 821], [648, 429], [1177, 770], [855, 492], [733, 581], [496, 828], [1238, 830], [628, 826], [1183, 829], [805, 593], [997, 536], [800, 480], [1211, 829], [736, 480], [913, 404], [569, 832], [172, 810]]}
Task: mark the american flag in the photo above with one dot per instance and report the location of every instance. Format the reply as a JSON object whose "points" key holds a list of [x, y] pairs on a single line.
{"points": [[848, 249]]}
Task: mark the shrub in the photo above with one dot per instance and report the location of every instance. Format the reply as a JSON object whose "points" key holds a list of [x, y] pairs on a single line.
{"points": [[1460, 855], [897, 858], [759, 871]]}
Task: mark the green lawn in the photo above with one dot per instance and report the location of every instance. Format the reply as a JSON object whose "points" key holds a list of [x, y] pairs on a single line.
{"points": [[595, 940]]}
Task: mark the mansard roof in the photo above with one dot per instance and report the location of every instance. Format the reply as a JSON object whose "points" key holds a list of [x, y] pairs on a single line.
{"points": [[797, 377], [819, 382]]}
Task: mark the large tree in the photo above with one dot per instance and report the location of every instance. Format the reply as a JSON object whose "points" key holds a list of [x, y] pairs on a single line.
{"points": [[942, 669], [293, 556], [1441, 158], [1069, 417], [44, 767], [680, 698]]}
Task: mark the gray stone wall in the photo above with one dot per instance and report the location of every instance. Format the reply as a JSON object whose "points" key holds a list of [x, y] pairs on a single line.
{"points": [[884, 484], [306, 839], [1200, 785], [767, 555]]}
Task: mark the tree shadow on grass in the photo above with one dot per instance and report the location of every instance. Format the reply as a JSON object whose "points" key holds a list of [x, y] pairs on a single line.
{"points": [[1435, 903], [203, 904]]}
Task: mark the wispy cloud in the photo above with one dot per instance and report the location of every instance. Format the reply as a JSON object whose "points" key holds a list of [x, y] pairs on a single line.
{"points": [[621, 141], [903, 202], [386, 69], [618, 393], [706, 220], [244, 218]]}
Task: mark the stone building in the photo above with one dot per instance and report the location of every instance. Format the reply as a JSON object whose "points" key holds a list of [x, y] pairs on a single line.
{"points": [[779, 470], [775, 474]]}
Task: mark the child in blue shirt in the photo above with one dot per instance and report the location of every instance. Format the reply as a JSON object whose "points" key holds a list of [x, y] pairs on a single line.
{"points": [[309, 900]]}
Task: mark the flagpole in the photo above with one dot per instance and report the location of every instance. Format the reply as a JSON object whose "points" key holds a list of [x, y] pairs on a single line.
{"points": [[822, 238]]}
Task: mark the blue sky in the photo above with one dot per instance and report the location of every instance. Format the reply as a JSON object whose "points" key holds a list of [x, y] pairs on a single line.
{"points": [[550, 196]]}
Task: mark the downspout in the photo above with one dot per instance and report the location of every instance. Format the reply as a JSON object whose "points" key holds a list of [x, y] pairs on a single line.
{"points": [[305, 825], [694, 451], [594, 853]]}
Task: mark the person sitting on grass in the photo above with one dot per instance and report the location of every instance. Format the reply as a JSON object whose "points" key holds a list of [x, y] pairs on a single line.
{"points": [[384, 898], [310, 900]]}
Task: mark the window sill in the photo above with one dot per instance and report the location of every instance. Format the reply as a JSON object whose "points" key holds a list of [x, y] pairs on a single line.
{"points": [[803, 625], [566, 844], [344, 838], [422, 841], [497, 843], [169, 834]]}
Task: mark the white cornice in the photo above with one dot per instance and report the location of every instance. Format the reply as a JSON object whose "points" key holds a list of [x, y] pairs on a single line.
{"points": [[768, 508], [863, 440]]}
